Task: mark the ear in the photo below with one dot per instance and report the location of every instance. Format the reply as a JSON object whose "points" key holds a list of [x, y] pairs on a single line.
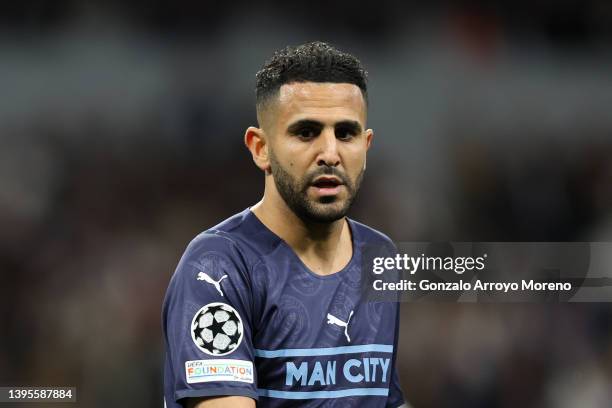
{"points": [[255, 141], [369, 137]]}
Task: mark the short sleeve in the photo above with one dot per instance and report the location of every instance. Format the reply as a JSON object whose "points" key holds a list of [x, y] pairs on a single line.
{"points": [[206, 318]]}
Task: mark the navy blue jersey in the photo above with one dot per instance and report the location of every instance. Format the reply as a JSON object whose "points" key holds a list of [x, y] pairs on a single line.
{"points": [[244, 316]]}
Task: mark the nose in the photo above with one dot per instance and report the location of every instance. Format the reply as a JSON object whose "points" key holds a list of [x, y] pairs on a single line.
{"points": [[328, 145]]}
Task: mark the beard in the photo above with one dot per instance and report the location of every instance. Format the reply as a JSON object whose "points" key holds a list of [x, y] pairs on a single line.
{"points": [[294, 192]]}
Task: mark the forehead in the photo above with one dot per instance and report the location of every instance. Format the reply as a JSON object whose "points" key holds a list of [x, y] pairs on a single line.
{"points": [[322, 101]]}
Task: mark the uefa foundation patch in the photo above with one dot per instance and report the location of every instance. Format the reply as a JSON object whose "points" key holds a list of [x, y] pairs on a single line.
{"points": [[217, 329], [200, 371]]}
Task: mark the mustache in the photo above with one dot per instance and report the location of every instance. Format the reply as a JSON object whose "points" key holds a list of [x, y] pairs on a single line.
{"points": [[329, 171]]}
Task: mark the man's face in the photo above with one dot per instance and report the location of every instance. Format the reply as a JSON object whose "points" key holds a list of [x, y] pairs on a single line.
{"points": [[317, 147]]}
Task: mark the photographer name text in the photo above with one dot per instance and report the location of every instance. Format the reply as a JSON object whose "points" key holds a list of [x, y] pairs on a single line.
{"points": [[478, 285]]}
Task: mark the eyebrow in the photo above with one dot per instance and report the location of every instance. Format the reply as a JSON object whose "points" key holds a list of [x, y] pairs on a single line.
{"points": [[295, 127], [350, 124]]}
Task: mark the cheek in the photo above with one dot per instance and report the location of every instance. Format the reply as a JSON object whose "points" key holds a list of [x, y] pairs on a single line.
{"points": [[355, 160]]}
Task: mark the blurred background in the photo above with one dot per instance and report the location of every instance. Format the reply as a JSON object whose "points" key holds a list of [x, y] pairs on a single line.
{"points": [[121, 128]]}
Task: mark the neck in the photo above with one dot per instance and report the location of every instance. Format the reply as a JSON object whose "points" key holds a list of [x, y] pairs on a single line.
{"points": [[324, 247]]}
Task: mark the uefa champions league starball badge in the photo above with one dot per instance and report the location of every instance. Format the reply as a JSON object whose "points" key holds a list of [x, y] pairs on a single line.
{"points": [[217, 329]]}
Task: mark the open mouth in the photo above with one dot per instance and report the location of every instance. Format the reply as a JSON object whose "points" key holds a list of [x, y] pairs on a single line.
{"points": [[327, 185], [326, 182]]}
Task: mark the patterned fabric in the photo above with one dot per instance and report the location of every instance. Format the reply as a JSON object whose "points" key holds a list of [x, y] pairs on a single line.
{"points": [[244, 316]]}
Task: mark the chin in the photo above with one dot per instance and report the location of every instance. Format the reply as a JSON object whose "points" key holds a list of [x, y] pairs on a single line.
{"points": [[327, 212]]}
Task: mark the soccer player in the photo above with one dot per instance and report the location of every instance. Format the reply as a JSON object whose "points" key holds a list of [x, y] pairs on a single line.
{"points": [[266, 308]]}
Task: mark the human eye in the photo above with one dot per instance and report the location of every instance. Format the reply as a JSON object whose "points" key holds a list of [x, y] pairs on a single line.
{"points": [[345, 132], [306, 132]]}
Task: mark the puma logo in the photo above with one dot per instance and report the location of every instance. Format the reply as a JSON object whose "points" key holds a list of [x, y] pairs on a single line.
{"points": [[331, 319], [217, 284]]}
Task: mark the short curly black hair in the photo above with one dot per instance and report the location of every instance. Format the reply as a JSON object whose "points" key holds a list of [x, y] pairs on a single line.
{"points": [[311, 62]]}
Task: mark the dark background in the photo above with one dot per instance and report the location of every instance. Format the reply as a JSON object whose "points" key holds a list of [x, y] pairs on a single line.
{"points": [[121, 131]]}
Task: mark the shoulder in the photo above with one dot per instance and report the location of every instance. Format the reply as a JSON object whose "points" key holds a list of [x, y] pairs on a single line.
{"points": [[224, 238], [208, 257], [209, 241], [368, 235], [234, 244]]}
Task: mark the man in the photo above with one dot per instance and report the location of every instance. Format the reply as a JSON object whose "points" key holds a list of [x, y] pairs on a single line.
{"points": [[266, 307]]}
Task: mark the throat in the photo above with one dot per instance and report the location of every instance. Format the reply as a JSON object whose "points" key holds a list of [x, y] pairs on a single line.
{"points": [[326, 256], [325, 248]]}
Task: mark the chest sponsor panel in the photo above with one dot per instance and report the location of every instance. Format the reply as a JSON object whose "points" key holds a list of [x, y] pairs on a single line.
{"points": [[329, 372]]}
